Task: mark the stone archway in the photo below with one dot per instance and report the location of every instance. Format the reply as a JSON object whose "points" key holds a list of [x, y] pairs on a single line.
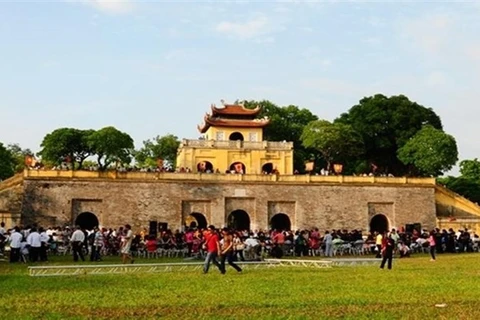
{"points": [[236, 136], [280, 221], [267, 168], [379, 223], [196, 220], [237, 167], [238, 220], [204, 166], [87, 220]]}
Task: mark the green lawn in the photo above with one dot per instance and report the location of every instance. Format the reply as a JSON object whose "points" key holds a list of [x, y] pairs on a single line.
{"points": [[409, 291]]}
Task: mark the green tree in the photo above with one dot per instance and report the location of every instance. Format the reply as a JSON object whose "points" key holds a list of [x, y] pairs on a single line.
{"points": [[287, 123], [164, 147], [430, 152], [470, 169], [19, 155], [336, 142], [7, 163], [386, 124], [66, 144], [111, 146]]}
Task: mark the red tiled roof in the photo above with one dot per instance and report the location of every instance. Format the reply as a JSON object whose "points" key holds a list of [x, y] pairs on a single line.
{"points": [[233, 109], [216, 122]]}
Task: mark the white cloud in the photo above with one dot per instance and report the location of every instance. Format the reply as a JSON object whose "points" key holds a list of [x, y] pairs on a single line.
{"points": [[432, 32], [108, 6], [435, 79], [332, 86], [255, 27]]}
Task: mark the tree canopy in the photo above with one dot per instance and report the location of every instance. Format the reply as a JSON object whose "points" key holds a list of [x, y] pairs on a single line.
{"points": [[287, 123], [337, 142], [67, 145], [386, 124], [470, 169], [429, 152], [164, 148], [111, 145], [7, 163]]}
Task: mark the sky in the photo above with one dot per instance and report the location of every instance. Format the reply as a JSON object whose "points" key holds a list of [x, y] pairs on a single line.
{"points": [[154, 67]]}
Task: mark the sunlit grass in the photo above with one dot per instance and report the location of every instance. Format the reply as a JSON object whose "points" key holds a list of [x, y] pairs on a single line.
{"points": [[409, 291]]}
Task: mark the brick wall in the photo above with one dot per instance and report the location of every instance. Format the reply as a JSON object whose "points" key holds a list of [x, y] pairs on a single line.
{"points": [[51, 201]]}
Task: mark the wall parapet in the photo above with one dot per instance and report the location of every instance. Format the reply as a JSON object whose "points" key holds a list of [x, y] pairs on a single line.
{"points": [[213, 177], [12, 181], [249, 145]]}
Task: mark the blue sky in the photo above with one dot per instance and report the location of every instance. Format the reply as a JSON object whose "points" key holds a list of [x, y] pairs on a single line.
{"points": [[154, 67]]}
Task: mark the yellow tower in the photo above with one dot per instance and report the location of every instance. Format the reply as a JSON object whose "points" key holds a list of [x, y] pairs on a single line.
{"points": [[233, 142]]}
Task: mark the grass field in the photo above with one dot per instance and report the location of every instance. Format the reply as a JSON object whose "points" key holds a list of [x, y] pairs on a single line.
{"points": [[409, 291]]}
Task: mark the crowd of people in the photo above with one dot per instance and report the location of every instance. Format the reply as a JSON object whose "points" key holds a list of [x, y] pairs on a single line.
{"points": [[33, 243]]}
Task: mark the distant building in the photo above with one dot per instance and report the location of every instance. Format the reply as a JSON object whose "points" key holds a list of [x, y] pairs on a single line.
{"points": [[233, 143]]}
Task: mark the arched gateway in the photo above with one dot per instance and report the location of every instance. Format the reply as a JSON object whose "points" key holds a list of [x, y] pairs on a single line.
{"points": [[379, 223], [87, 220], [196, 220], [280, 221], [238, 220]]}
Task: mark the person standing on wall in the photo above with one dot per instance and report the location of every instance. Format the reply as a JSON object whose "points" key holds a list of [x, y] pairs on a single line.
{"points": [[388, 245], [226, 252], [212, 247]]}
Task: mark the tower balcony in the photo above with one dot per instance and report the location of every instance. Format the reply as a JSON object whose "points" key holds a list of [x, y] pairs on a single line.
{"points": [[228, 144]]}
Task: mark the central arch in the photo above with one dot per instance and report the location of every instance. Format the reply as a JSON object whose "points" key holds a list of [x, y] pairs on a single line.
{"points": [[281, 222], [237, 167], [196, 220], [204, 166], [238, 220], [87, 220], [236, 136], [267, 168], [379, 223]]}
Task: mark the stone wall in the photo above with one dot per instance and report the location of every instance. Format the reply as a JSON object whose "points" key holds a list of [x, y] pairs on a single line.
{"points": [[11, 199], [50, 201]]}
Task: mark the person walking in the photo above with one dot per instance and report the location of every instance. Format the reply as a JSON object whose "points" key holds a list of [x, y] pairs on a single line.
{"points": [[127, 244], [388, 245], [212, 247], [226, 253], [433, 243]]}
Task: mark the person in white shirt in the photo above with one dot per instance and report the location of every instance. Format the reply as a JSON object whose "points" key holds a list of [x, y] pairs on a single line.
{"points": [[77, 239], [34, 244], [2, 228], [126, 244], [43, 249], [15, 245]]}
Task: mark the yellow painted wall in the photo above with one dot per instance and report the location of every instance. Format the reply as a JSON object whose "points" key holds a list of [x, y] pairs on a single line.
{"points": [[448, 198], [211, 133], [222, 159]]}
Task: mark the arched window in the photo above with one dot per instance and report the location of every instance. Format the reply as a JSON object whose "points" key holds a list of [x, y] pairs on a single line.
{"points": [[235, 136]]}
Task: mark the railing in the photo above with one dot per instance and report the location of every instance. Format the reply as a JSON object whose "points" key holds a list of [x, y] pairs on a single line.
{"points": [[253, 145], [169, 176]]}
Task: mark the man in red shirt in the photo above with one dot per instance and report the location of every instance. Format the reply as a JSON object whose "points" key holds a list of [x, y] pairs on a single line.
{"points": [[212, 245]]}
